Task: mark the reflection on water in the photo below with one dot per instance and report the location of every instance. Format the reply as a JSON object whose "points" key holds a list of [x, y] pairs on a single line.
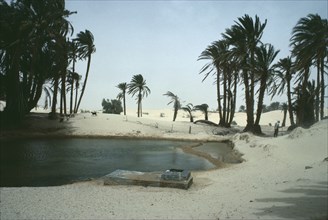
{"points": [[50, 162]]}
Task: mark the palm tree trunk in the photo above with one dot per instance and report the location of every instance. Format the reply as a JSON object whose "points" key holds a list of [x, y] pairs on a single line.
{"points": [[284, 119], [250, 120], [61, 103], [31, 93], [249, 111], [303, 100], [260, 103], [317, 98], [71, 97], [139, 103], [14, 107], [290, 106], [219, 96], [233, 109], [224, 96], [54, 99], [84, 84], [229, 100], [34, 100], [63, 90], [206, 115], [124, 105], [76, 94], [175, 113], [72, 87], [322, 101]]}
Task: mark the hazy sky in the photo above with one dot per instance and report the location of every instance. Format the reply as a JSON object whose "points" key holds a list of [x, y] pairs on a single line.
{"points": [[162, 40]]}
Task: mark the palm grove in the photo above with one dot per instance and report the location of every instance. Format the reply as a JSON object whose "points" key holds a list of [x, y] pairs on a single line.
{"points": [[240, 57], [38, 54]]}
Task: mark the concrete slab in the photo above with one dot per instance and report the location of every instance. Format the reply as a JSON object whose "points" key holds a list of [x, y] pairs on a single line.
{"points": [[126, 177]]}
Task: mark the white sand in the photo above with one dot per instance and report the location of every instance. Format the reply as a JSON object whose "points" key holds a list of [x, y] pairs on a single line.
{"points": [[273, 182]]}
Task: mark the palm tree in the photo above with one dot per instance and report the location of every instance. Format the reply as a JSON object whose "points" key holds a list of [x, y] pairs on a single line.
{"points": [[64, 65], [212, 53], [265, 55], [86, 48], [123, 87], [309, 41], [176, 103], [223, 64], [189, 108], [245, 36], [72, 54], [138, 86], [282, 80], [203, 108]]}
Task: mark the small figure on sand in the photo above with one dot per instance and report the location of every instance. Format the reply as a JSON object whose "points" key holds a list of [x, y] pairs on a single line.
{"points": [[276, 129]]}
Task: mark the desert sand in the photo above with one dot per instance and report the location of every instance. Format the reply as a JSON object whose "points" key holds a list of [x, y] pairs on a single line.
{"points": [[281, 178]]}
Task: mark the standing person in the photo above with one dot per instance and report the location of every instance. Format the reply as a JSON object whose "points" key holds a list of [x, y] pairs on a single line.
{"points": [[276, 129]]}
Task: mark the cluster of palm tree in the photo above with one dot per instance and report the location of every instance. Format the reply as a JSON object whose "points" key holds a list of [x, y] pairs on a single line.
{"points": [[37, 54], [241, 57], [175, 100], [137, 87], [309, 49]]}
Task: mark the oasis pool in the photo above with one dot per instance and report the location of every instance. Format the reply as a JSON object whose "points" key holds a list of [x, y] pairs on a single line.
{"points": [[52, 162]]}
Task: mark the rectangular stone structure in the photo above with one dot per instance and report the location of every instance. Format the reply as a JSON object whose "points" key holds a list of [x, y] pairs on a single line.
{"points": [[126, 177], [175, 174]]}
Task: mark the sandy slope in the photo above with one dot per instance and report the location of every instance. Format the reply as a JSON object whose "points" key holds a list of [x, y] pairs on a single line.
{"points": [[282, 178]]}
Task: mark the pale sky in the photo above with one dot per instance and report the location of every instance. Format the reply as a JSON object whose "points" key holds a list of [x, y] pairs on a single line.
{"points": [[162, 40]]}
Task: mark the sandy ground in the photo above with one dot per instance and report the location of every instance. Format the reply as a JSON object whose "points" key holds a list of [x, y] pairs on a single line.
{"points": [[281, 178]]}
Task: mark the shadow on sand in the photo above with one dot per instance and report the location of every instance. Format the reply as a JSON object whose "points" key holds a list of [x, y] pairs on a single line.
{"points": [[301, 202]]}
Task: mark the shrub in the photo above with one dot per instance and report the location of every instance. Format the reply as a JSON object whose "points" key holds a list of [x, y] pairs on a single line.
{"points": [[112, 107]]}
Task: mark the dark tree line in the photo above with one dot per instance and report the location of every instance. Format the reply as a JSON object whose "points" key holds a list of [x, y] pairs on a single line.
{"points": [[38, 53]]}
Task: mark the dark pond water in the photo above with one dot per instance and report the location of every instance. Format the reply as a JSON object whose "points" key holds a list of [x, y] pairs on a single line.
{"points": [[51, 162]]}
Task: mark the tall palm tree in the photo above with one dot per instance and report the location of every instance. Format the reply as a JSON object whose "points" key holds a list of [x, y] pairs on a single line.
{"points": [[189, 108], [224, 66], [309, 41], [203, 108], [72, 54], [123, 87], [86, 48], [265, 69], [176, 103], [64, 65], [245, 36], [282, 80], [212, 53], [138, 86]]}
